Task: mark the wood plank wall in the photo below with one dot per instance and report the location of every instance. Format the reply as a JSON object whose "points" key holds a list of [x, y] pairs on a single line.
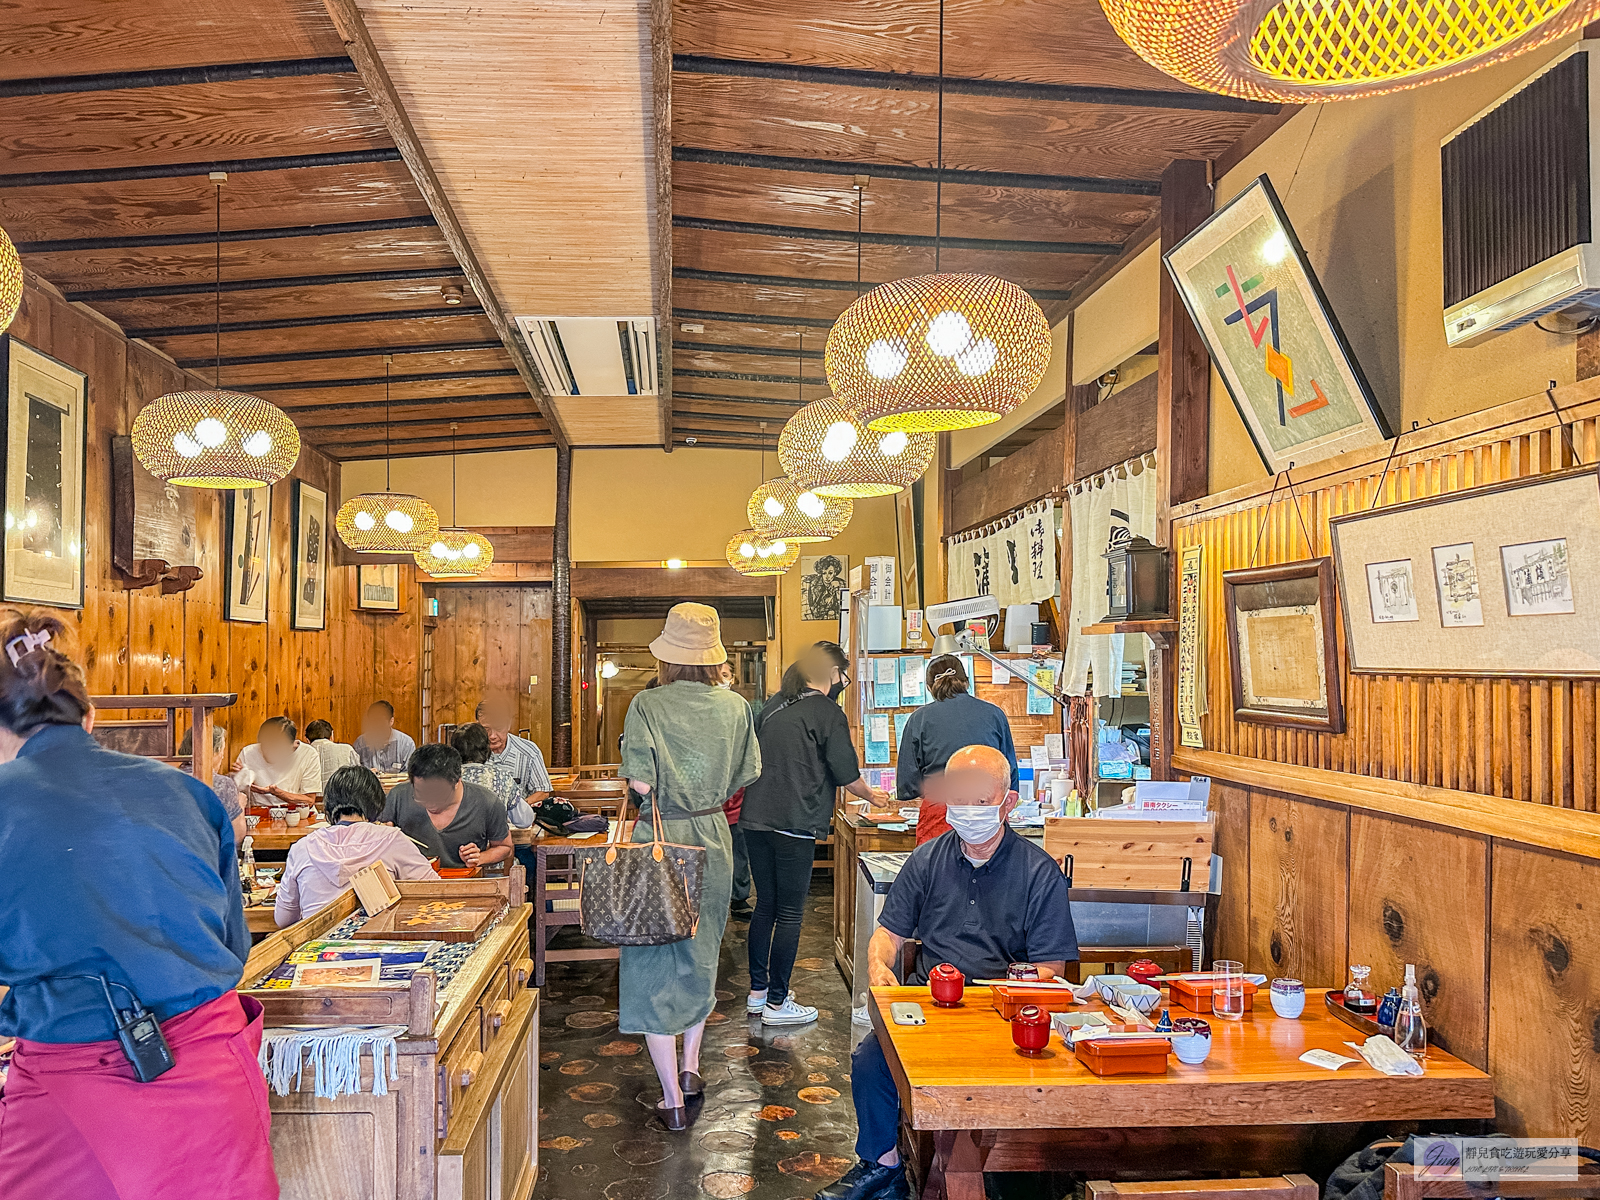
{"points": [[141, 642], [488, 641]]}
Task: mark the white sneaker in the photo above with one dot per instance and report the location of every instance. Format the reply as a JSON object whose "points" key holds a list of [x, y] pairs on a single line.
{"points": [[755, 1001], [790, 1012]]}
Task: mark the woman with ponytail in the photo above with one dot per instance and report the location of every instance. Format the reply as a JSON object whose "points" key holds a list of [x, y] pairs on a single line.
{"points": [[956, 719], [122, 939]]}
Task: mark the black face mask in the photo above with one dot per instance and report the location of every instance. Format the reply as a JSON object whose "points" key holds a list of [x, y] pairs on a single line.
{"points": [[838, 688]]}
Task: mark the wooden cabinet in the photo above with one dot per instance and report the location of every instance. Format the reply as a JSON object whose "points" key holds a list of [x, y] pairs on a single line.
{"points": [[461, 1121], [850, 840]]}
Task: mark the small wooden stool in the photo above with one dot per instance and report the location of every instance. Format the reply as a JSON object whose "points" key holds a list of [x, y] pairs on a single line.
{"points": [[1272, 1187]]}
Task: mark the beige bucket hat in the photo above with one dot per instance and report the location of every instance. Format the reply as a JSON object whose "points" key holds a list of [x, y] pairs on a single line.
{"points": [[692, 638]]}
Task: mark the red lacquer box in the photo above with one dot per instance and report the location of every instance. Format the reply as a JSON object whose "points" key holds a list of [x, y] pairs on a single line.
{"points": [[1125, 1056], [1195, 994]]}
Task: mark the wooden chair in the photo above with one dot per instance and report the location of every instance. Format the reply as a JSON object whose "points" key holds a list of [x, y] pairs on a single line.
{"points": [[1401, 1182], [1272, 1187]]}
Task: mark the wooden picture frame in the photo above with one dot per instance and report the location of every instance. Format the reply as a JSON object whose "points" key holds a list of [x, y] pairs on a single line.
{"points": [[1283, 649], [309, 608], [378, 587], [248, 572], [1456, 584], [45, 453], [1290, 370]]}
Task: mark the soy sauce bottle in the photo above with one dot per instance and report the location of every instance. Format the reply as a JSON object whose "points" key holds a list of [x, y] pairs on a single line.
{"points": [[1358, 994]]}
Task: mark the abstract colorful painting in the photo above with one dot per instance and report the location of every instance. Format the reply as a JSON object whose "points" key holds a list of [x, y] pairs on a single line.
{"points": [[1271, 333]]}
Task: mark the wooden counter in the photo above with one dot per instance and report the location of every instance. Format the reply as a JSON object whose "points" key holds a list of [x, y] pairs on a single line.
{"points": [[853, 837], [461, 1122]]}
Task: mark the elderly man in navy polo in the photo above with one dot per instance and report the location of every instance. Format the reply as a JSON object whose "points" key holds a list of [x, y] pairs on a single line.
{"points": [[979, 897]]}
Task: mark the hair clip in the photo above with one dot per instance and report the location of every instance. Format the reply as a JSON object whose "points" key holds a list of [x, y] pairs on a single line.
{"points": [[29, 641]]}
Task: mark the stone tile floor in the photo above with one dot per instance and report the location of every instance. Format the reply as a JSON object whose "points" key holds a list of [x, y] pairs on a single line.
{"points": [[777, 1122]]}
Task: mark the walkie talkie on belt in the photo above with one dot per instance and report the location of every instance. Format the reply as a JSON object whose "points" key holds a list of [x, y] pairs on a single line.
{"points": [[140, 1035]]}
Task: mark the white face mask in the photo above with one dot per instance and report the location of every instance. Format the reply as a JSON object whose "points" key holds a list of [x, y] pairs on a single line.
{"points": [[974, 823]]}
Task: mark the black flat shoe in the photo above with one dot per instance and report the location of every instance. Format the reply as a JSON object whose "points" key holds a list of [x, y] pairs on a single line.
{"points": [[868, 1181], [673, 1120], [690, 1083]]}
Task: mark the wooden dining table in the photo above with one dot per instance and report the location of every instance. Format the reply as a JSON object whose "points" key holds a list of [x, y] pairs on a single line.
{"points": [[1252, 1105]]}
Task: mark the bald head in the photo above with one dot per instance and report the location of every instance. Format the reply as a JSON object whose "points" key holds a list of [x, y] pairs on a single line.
{"points": [[974, 775], [982, 758]]}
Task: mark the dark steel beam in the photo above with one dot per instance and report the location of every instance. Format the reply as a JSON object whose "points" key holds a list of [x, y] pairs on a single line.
{"points": [[696, 314], [955, 175], [789, 403], [442, 440], [209, 237], [117, 81], [412, 402], [802, 233], [258, 285], [821, 285], [763, 351], [895, 81], [701, 444], [741, 418], [443, 422], [743, 377], [250, 360], [199, 170], [399, 314], [332, 451], [286, 385], [729, 433]]}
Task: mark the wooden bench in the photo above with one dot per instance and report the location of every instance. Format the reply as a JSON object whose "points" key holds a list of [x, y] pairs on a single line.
{"points": [[1273, 1187]]}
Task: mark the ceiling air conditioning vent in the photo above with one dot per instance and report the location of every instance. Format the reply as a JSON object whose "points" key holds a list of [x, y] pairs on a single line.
{"points": [[1519, 200], [593, 356]]}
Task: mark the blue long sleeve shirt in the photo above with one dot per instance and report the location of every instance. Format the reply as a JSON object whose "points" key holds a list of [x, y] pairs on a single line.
{"points": [[110, 865], [940, 728]]}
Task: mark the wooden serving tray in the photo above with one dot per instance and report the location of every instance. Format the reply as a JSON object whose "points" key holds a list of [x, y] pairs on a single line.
{"points": [[433, 919], [1368, 1026]]}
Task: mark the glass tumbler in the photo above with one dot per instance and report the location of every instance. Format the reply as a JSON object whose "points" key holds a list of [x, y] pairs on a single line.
{"points": [[1227, 990]]}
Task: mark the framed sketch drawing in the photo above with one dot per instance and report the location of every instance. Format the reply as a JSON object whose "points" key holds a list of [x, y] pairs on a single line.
{"points": [[45, 447], [378, 587], [822, 577], [155, 536], [1522, 597], [310, 557], [1282, 645], [1272, 334], [249, 554]]}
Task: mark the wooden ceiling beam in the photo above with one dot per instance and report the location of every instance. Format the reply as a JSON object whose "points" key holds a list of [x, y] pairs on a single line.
{"points": [[446, 447], [285, 162], [302, 385], [208, 237], [828, 285], [412, 402], [764, 351], [352, 29], [117, 81], [690, 417], [895, 239], [695, 314], [422, 422], [896, 81], [717, 396], [251, 360], [255, 285], [413, 314], [957, 175], [746, 377], [510, 435]]}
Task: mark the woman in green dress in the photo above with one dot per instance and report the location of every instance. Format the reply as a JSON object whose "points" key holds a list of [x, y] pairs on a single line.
{"points": [[687, 745]]}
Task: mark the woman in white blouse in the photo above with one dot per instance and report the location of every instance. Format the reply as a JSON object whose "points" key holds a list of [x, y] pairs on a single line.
{"points": [[281, 767]]}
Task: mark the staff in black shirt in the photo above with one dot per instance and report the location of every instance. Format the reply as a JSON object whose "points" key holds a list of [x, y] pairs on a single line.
{"points": [[806, 754], [954, 720]]}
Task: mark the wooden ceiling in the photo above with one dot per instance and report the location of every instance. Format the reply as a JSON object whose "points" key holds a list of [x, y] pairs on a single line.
{"points": [[507, 149], [1055, 138], [331, 258]]}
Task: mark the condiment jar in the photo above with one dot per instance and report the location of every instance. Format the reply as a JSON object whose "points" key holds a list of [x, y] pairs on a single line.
{"points": [[1193, 1046], [947, 984], [1144, 971], [1030, 1030]]}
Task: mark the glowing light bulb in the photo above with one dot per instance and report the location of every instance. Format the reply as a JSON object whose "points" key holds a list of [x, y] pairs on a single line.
{"points": [[811, 504], [746, 550], [948, 334], [470, 550], [893, 444], [779, 548], [258, 444], [438, 549], [365, 521], [211, 433], [772, 506], [886, 358], [186, 445], [839, 440], [978, 358], [398, 521]]}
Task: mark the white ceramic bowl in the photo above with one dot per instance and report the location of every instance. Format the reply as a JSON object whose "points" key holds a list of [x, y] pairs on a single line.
{"points": [[1288, 1004], [1140, 997], [1107, 985]]}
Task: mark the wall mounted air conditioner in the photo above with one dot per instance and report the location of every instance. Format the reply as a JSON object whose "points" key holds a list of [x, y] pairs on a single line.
{"points": [[593, 356], [1519, 199]]}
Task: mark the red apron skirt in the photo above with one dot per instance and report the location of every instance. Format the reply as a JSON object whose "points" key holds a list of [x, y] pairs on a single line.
{"points": [[74, 1121], [931, 822]]}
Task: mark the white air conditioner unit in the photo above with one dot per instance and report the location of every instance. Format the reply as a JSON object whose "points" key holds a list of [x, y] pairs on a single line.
{"points": [[593, 356], [1520, 199]]}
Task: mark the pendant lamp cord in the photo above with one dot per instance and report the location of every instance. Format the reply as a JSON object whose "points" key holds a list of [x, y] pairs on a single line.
{"points": [[861, 195], [938, 178], [218, 297], [453, 475], [388, 425]]}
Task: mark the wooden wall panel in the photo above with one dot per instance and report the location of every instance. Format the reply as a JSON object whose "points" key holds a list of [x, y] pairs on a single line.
{"points": [[1299, 880], [1020, 478], [488, 641], [1544, 1028], [1231, 803], [1418, 895], [135, 642]]}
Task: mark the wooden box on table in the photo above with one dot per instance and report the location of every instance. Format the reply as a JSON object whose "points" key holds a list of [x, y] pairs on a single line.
{"points": [[461, 1121]]}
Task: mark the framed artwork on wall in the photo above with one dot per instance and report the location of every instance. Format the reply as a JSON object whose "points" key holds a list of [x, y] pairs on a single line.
{"points": [[155, 535], [1282, 647], [249, 554], [1521, 597], [310, 557], [822, 577], [1272, 334], [45, 449], [378, 587]]}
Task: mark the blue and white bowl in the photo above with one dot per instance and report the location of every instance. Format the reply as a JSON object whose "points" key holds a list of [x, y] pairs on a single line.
{"points": [[1288, 997]]}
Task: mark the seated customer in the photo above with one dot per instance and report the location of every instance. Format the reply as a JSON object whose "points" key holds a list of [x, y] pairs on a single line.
{"points": [[472, 743], [516, 754], [321, 864], [979, 897], [330, 753], [460, 824], [281, 767], [382, 747], [224, 786]]}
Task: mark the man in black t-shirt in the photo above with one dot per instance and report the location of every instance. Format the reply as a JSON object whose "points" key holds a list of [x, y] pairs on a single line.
{"points": [[461, 824]]}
